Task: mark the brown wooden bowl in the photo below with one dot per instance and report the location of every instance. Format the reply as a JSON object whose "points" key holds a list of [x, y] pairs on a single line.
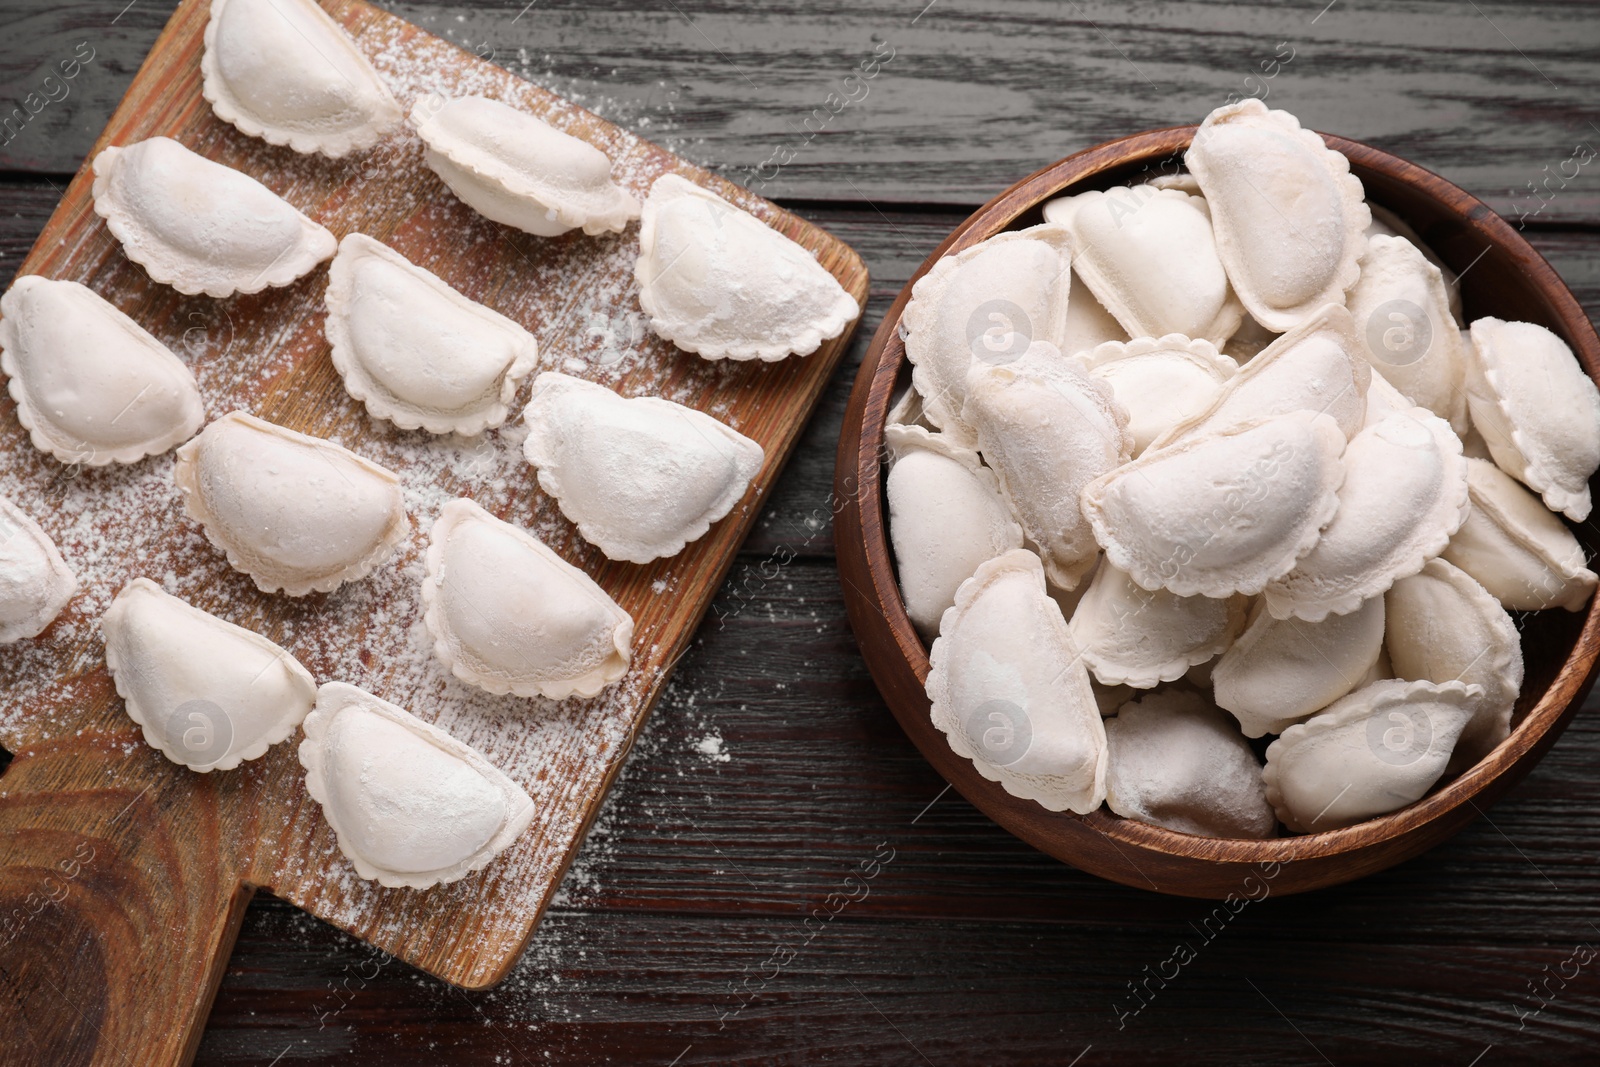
{"points": [[1503, 276]]}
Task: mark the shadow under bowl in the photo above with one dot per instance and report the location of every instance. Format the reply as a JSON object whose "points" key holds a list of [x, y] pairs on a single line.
{"points": [[1501, 275]]}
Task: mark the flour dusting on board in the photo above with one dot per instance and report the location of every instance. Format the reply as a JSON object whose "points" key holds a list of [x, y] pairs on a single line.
{"points": [[266, 354]]}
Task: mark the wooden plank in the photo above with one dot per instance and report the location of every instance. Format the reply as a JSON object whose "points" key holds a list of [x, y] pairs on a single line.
{"points": [[1487, 94], [176, 855]]}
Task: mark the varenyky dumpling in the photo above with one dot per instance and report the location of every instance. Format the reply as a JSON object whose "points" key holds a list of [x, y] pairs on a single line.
{"points": [[410, 805], [199, 226], [1161, 381], [1089, 325], [285, 72], [717, 281], [1010, 692], [91, 385], [1176, 761], [1281, 670], [1443, 626], [1048, 431], [1314, 367], [1289, 217], [516, 169], [416, 351], [1537, 410], [208, 694], [1386, 223], [641, 476], [296, 513], [1221, 513], [946, 517], [1517, 548], [1149, 257], [1404, 495], [1373, 752], [1401, 311], [1133, 636], [35, 582], [510, 616], [984, 305]]}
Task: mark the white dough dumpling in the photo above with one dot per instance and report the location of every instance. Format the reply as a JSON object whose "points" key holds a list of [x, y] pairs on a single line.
{"points": [[285, 72], [1404, 495], [1281, 670], [642, 476], [508, 615], [35, 582], [417, 352], [718, 282], [296, 513], [1372, 752], [409, 804], [207, 694], [1443, 627], [1537, 410], [1160, 381], [985, 305], [1290, 218], [1010, 692], [946, 517], [1133, 636], [1221, 513], [1178, 762], [202, 227], [1047, 433], [91, 385], [516, 169], [1516, 548]]}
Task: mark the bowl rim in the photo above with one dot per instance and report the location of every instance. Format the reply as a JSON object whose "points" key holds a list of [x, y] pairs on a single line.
{"points": [[875, 606]]}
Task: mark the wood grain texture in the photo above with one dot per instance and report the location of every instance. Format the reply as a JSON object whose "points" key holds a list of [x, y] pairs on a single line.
{"points": [[175, 855], [1496, 95]]}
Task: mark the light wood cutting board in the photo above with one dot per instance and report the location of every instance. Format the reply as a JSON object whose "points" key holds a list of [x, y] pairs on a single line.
{"points": [[123, 877]]}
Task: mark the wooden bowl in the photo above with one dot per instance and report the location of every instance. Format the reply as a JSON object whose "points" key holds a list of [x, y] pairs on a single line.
{"points": [[1501, 276]]}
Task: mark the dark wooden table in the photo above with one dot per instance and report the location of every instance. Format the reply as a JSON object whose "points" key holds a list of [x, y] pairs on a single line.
{"points": [[771, 771]]}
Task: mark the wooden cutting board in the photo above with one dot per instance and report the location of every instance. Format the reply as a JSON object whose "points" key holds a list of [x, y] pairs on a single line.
{"points": [[123, 877]]}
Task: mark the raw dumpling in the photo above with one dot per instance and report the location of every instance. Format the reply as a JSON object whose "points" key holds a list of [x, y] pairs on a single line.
{"points": [[410, 805], [1223, 513], [510, 616], [1047, 434], [1387, 224], [1313, 367], [1149, 257], [35, 582], [519, 170], [199, 226], [295, 513], [1010, 692], [1132, 636], [1443, 627], [719, 282], [1373, 752], [1517, 548], [1404, 495], [1088, 325], [1402, 317], [641, 477], [946, 516], [1289, 216], [414, 350], [1162, 382], [1281, 670], [1537, 410], [208, 694], [984, 306], [285, 72], [1176, 761], [90, 384]]}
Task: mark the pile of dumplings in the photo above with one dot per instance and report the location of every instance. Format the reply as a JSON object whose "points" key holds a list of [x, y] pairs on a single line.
{"points": [[640, 477], [1209, 460]]}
